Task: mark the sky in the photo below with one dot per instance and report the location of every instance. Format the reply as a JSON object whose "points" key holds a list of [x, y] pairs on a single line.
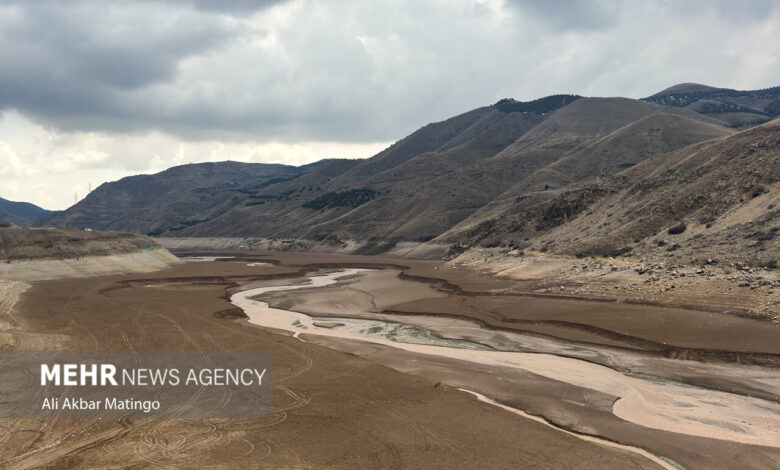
{"points": [[93, 91]]}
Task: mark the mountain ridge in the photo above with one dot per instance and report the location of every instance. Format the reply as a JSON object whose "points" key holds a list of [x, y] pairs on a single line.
{"points": [[20, 213], [442, 184]]}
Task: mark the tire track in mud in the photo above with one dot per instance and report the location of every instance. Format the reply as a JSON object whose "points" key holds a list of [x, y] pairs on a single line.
{"points": [[429, 437], [157, 442], [153, 447], [10, 291], [47, 423], [280, 413]]}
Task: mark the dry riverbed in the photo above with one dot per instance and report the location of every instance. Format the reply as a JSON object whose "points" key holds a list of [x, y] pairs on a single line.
{"points": [[384, 406], [349, 305]]}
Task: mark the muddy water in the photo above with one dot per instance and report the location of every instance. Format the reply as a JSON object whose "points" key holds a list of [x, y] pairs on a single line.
{"points": [[203, 259], [659, 404]]}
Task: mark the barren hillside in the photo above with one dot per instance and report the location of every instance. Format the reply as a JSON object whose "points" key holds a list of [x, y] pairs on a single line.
{"points": [[713, 200], [59, 243], [563, 173]]}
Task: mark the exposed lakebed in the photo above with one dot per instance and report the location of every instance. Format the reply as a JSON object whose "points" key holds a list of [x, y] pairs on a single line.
{"points": [[647, 401]]}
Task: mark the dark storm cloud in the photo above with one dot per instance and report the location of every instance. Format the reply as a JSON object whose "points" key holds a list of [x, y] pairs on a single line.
{"points": [[351, 70], [565, 15], [82, 59], [232, 5], [95, 65], [729, 10]]}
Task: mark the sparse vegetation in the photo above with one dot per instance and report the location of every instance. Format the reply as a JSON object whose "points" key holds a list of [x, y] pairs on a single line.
{"points": [[349, 198], [600, 248], [757, 191], [677, 229], [540, 106]]}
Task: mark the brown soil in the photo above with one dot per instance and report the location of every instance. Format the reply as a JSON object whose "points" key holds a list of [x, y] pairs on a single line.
{"points": [[337, 410], [717, 287], [61, 243], [332, 410]]}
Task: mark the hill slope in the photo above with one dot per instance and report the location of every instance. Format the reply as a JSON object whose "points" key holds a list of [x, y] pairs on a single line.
{"points": [[179, 197], [506, 173], [20, 213], [718, 200], [59, 243], [36, 254], [736, 108]]}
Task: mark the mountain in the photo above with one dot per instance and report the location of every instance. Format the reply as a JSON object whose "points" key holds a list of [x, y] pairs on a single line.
{"points": [[20, 213], [509, 173], [654, 134], [713, 200], [180, 197], [683, 88], [738, 109]]}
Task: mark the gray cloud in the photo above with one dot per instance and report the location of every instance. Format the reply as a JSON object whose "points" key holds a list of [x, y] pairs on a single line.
{"points": [[240, 6], [352, 70], [730, 11], [566, 15], [76, 66]]}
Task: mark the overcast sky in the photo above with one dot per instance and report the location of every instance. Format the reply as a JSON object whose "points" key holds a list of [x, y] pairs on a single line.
{"points": [[91, 91]]}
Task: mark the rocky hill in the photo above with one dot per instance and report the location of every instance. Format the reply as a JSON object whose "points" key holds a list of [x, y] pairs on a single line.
{"points": [[514, 173]]}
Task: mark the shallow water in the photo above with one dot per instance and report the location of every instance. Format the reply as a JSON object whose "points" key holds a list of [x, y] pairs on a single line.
{"points": [[658, 404], [203, 259]]}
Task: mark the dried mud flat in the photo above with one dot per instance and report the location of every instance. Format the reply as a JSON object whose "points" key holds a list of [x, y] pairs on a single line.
{"points": [[712, 285], [337, 410]]}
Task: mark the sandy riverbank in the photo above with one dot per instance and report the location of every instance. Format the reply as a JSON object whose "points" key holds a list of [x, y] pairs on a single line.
{"points": [[142, 261], [650, 403], [713, 285], [363, 415]]}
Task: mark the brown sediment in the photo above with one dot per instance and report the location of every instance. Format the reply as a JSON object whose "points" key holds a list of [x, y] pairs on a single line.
{"points": [[331, 409], [661, 462], [230, 314], [337, 410], [642, 401], [497, 310]]}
